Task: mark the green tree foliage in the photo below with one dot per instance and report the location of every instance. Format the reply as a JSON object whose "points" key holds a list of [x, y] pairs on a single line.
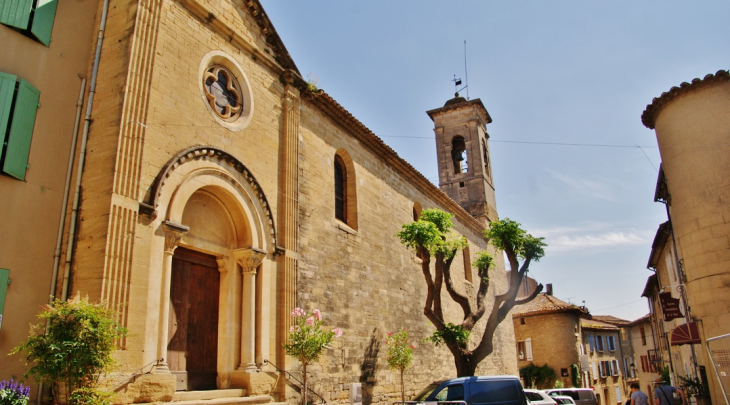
{"points": [[436, 245], [399, 355], [575, 375], [537, 377], [77, 346], [308, 340]]}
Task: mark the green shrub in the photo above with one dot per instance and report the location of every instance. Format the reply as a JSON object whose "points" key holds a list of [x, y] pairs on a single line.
{"points": [[77, 346]]}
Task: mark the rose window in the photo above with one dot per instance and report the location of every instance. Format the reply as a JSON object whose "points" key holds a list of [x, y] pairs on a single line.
{"points": [[223, 92]]}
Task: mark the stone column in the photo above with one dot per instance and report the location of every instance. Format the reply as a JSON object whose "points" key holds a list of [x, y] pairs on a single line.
{"points": [[249, 259], [173, 234]]}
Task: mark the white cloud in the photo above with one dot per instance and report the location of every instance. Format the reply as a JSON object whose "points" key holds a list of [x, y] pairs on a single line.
{"points": [[593, 235]]}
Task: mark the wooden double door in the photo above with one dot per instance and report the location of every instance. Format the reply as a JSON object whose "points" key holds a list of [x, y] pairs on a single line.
{"points": [[194, 292]]}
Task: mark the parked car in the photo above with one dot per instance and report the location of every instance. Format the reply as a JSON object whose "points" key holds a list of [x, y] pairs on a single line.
{"points": [[478, 390], [537, 397], [564, 400], [581, 396]]}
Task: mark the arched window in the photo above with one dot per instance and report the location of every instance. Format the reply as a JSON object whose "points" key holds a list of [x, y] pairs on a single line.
{"points": [[340, 189], [459, 155], [467, 264], [345, 189], [416, 211], [486, 159]]}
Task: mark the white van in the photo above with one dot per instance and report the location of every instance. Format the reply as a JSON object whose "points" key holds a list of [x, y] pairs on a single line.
{"points": [[581, 396]]}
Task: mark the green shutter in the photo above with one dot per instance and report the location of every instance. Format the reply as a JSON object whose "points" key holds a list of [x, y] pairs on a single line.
{"points": [[21, 130], [4, 281], [15, 13], [7, 90], [45, 12]]}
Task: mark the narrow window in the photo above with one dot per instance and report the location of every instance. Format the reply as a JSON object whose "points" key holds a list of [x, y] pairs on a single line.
{"points": [[643, 336], [458, 155], [599, 343], [340, 190], [486, 159], [521, 350], [416, 211], [611, 343], [591, 343], [467, 264]]}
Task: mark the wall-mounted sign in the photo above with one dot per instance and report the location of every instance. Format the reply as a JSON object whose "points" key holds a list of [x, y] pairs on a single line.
{"points": [[670, 306]]}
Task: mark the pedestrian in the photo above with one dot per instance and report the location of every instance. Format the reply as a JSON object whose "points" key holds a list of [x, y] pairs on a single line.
{"points": [[637, 396], [663, 393]]}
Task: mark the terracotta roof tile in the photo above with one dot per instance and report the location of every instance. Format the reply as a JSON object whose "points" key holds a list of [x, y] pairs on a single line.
{"points": [[596, 324], [545, 304], [611, 319], [648, 118]]}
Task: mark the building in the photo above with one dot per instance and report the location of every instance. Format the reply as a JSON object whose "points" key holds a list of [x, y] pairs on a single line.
{"points": [[547, 331], [642, 360], [219, 190], [604, 355], [691, 253], [44, 80], [583, 350]]}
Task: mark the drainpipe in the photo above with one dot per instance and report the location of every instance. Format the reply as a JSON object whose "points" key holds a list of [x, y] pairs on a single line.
{"points": [[82, 154], [69, 171]]}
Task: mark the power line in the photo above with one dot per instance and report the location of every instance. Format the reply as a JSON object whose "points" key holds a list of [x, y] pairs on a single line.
{"points": [[622, 305], [537, 142]]}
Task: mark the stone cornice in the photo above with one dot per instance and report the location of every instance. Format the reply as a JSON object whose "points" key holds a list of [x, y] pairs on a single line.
{"points": [[648, 118], [357, 129], [450, 105]]}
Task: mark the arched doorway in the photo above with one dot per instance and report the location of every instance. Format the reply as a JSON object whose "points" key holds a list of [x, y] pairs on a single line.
{"points": [[219, 243]]}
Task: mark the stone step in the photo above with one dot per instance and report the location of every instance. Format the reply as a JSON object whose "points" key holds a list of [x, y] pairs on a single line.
{"points": [[181, 396], [189, 397], [261, 399]]}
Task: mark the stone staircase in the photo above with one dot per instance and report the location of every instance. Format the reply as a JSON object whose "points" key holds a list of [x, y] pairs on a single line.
{"points": [[221, 397]]}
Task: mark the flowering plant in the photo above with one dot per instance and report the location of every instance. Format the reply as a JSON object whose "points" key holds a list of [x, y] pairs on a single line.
{"points": [[13, 393], [399, 355], [308, 340]]}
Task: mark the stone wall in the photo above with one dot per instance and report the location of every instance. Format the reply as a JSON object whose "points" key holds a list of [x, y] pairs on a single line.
{"points": [[363, 280], [554, 341]]}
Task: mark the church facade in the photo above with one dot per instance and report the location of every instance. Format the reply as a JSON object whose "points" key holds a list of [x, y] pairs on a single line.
{"points": [[219, 190]]}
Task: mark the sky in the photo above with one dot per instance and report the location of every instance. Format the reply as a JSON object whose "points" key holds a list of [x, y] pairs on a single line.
{"points": [[565, 82]]}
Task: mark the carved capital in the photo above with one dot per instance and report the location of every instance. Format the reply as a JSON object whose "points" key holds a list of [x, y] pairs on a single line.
{"points": [[173, 233], [249, 259]]}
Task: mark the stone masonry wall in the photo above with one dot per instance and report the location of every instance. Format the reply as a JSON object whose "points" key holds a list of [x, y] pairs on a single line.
{"points": [[364, 281], [553, 341]]}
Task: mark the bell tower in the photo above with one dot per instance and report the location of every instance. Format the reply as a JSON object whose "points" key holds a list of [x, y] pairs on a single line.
{"points": [[465, 171]]}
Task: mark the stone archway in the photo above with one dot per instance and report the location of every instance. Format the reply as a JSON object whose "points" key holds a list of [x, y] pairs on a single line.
{"points": [[207, 203]]}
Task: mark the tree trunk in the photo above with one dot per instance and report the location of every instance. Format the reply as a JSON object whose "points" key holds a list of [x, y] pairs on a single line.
{"points": [[402, 387], [464, 366], [304, 379]]}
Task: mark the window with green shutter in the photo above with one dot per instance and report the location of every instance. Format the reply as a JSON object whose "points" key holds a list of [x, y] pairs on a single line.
{"points": [[18, 106], [4, 281], [32, 17]]}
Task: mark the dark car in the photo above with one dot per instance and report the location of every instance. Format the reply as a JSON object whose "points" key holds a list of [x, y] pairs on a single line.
{"points": [[478, 390]]}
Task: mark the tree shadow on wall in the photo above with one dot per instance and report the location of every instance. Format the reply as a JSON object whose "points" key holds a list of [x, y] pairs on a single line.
{"points": [[369, 367]]}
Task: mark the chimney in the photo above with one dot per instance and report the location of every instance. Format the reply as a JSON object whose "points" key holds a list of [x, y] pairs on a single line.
{"points": [[549, 289]]}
